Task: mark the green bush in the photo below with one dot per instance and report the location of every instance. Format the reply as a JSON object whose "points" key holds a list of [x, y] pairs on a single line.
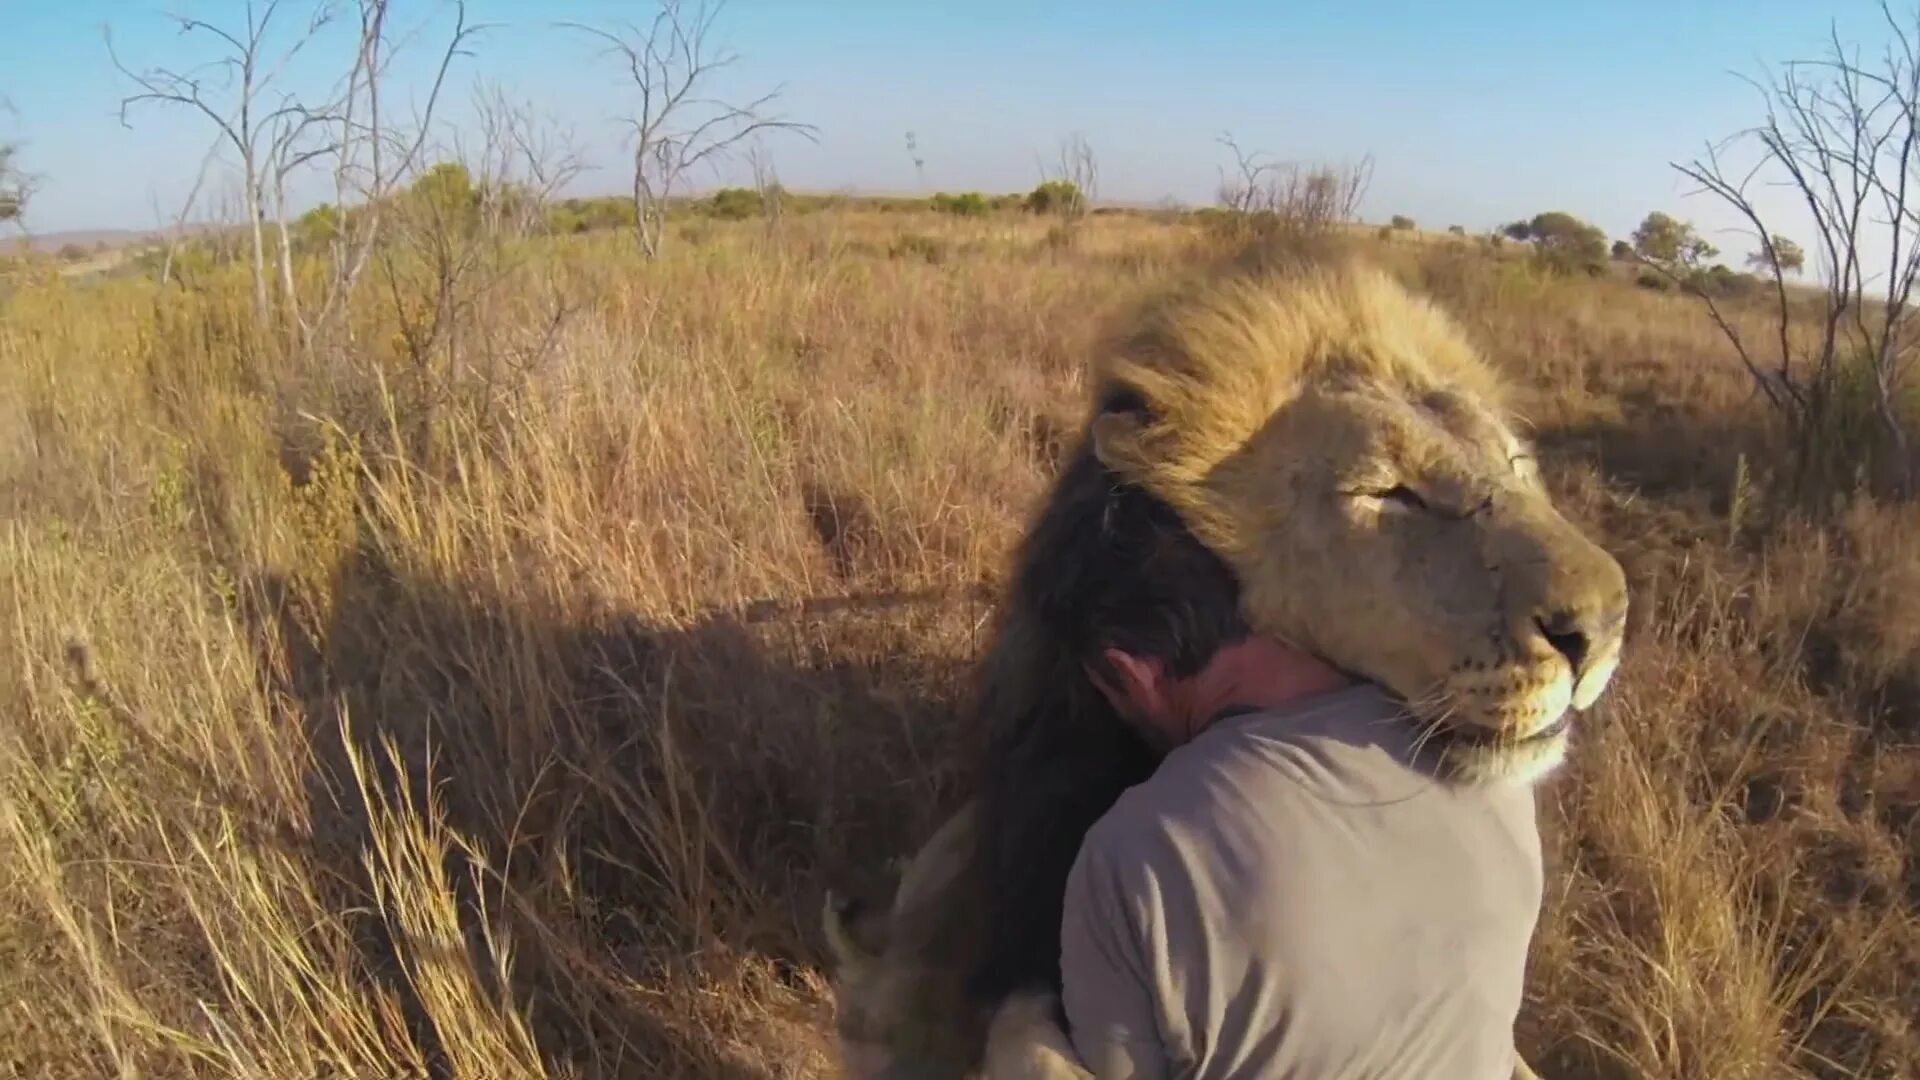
{"points": [[967, 204], [590, 215], [1850, 446], [446, 196], [317, 227], [1562, 243], [1056, 197], [1664, 239], [734, 204], [1650, 280]]}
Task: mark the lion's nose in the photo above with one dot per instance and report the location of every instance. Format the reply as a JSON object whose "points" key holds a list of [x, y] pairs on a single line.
{"points": [[1572, 633], [1562, 631]]}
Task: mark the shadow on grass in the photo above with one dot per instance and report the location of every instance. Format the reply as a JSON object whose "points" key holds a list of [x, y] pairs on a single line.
{"points": [[657, 809]]}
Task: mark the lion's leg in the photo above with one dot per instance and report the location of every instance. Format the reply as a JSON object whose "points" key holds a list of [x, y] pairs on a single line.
{"points": [[1025, 1042], [898, 969]]}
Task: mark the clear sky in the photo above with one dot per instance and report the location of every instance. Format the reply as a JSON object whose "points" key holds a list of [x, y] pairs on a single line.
{"points": [[1476, 112]]}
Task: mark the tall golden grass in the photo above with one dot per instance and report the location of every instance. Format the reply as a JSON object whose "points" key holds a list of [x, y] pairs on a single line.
{"points": [[502, 708]]}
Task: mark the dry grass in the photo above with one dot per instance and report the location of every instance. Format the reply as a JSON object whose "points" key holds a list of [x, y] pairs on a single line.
{"points": [[504, 713]]}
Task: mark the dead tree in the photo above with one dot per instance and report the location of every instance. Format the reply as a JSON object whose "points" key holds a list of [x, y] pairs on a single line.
{"points": [[368, 156], [1843, 135], [455, 240], [766, 184], [674, 127], [14, 188], [278, 133], [175, 230], [231, 92], [455, 235], [1076, 172], [1286, 196], [919, 162]]}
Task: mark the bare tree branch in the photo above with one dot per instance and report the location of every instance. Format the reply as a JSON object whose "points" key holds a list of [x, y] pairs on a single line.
{"points": [[372, 159], [766, 184], [673, 126], [16, 188], [1283, 197], [1076, 173], [233, 110], [278, 134], [177, 232], [1844, 137], [454, 240]]}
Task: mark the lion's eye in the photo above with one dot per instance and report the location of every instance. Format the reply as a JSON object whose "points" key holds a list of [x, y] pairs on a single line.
{"points": [[1400, 496]]}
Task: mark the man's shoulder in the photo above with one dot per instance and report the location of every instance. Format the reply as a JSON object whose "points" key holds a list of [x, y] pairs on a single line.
{"points": [[1361, 713], [1358, 728], [1152, 830], [1271, 764]]}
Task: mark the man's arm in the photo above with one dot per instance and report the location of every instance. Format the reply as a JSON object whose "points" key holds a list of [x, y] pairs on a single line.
{"points": [[1107, 993]]}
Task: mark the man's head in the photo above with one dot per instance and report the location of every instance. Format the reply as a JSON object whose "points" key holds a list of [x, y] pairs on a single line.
{"points": [[1169, 709]]}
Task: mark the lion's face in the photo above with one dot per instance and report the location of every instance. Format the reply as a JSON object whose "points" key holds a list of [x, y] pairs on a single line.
{"points": [[1421, 551], [1381, 515]]}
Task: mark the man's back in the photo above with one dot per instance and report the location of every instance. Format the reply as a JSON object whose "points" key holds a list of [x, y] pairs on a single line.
{"points": [[1288, 896]]}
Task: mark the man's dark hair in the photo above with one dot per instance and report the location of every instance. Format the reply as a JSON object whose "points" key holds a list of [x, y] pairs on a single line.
{"points": [[1106, 565]]}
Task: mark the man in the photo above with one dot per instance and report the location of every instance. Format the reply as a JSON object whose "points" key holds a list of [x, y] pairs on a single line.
{"points": [[1291, 894]]}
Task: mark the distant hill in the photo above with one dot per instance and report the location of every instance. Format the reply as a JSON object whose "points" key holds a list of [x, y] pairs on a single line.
{"points": [[51, 242]]}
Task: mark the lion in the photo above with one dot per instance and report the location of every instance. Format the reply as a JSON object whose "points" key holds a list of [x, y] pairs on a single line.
{"points": [[1304, 451]]}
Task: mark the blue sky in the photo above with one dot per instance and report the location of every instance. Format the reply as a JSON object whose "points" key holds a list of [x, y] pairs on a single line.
{"points": [[1475, 112]]}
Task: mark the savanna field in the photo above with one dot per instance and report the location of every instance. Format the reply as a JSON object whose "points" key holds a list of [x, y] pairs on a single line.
{"points": [[491, 686]]}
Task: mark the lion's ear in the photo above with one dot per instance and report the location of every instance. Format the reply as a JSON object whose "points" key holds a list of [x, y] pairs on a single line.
{"points": [[1116, 437]]}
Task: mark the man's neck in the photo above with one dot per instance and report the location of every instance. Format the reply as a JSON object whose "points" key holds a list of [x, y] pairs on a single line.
{"points": [[1254, 674]]}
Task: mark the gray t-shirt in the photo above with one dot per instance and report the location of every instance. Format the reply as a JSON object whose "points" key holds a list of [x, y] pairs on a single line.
{"points": [[1290, 896]]}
